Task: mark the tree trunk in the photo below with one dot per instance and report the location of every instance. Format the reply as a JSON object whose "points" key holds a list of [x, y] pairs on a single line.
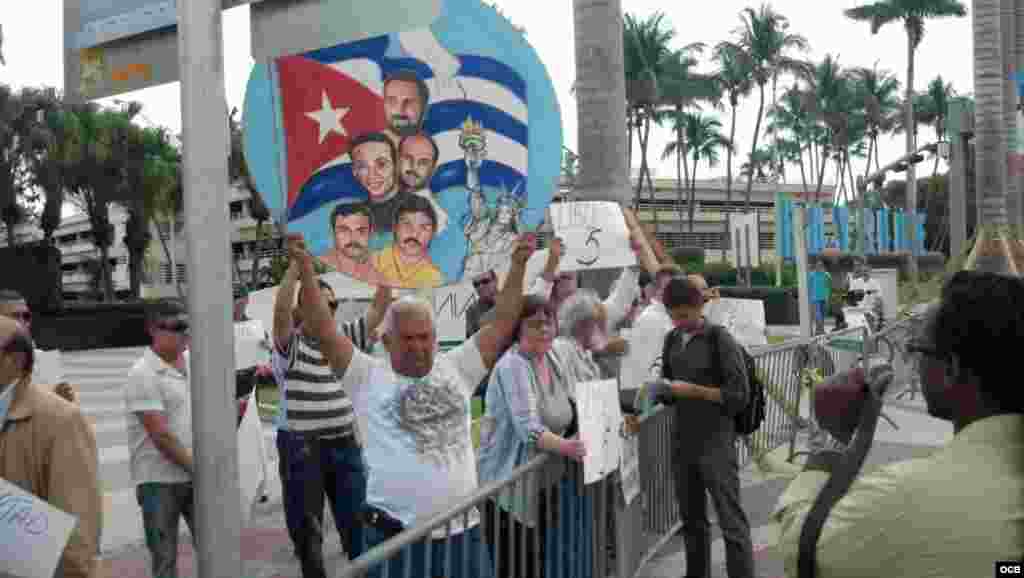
{"points": [[691, 198], [728, 184], [681, 165], [853, 181], [867, 167], [753, 148], [601, 100], [168, 256], [822, 158], [908, 119], [803, 171]]}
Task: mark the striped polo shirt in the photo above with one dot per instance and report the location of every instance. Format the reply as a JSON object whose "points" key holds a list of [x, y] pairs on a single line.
{"points": [[314, 402]]}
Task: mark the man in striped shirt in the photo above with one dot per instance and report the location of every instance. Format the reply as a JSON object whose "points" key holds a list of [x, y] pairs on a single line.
{"points": [[317, 440]]}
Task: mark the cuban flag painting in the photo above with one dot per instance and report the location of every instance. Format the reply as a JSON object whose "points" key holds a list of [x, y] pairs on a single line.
{"points": [[412, 159]]}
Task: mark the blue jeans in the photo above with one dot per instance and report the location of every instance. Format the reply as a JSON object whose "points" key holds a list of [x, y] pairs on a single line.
{"points": [[163, 506], [309, 469], [478, 564]]}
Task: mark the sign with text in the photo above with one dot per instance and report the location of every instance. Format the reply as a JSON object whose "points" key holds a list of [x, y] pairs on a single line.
{"points": [[32, 533], [411, 158], [594, 236], [600, 418], [116, 46]]}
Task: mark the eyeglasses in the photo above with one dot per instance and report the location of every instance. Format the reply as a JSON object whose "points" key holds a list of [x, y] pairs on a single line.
{"points": [[174, 326], [23, 316]]}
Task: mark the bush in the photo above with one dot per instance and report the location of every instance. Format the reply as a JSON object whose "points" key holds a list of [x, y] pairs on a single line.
{"points": [[689, 258]]}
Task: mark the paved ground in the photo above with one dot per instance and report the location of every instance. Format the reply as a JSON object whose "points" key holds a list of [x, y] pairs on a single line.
{"points": [[918, 436]]}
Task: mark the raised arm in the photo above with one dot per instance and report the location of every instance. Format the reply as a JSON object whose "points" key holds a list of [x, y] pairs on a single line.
{"points": [[542, 285], [381, 300], [337, 348], [283, 304], [644, 252], [492, 338]]}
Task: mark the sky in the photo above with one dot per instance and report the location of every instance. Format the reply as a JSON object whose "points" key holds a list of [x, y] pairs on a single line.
{"points": [[32, 47]]}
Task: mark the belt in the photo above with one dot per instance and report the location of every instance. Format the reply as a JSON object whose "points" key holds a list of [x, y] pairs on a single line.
{"points": [[347, 440], [381, 520]]}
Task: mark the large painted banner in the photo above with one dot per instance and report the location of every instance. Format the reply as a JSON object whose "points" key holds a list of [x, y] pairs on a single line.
{"points": [[412, 159]]}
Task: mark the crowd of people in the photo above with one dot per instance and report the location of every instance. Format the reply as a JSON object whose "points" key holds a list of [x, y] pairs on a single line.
{"points": [[374, 417]]}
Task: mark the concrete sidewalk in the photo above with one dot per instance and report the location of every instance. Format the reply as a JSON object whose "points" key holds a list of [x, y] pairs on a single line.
{"points": [[918, 436]]}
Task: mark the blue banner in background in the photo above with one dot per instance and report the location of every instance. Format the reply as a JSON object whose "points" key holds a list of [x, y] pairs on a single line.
{"points": [[882, 220], [919, 233], [841, 220], [899, 231]]}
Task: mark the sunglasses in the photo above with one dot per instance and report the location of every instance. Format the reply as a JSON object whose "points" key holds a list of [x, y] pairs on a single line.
{"points": [[174, 326], [23, 316]]}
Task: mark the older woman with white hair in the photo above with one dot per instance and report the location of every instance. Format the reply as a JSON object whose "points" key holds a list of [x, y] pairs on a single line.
{"points": [[583, 328]]}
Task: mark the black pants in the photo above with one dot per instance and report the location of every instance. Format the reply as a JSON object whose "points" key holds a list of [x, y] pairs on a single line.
{"points": [[523, 537], [717, 474]]}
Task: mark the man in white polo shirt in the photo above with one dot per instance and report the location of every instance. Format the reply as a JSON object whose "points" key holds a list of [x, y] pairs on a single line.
{"points": [[158, 398], [419, 451]]}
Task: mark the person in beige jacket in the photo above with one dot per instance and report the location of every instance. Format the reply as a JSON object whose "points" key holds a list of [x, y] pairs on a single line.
{"points": [[48, 448]]}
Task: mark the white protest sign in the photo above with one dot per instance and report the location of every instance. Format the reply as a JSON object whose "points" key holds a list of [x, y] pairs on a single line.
{"points": [[250, 348], [646, 341], [594, 236], [600, 419], [47, 367], [32, 534], [629, 468], [252, 458], [744, 318]]}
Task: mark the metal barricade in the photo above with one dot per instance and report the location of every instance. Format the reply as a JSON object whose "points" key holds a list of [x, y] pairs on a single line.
{"points": [[542, 520]]}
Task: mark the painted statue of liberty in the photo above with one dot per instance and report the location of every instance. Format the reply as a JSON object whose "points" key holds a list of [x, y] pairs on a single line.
{"points": [[491, 231]]}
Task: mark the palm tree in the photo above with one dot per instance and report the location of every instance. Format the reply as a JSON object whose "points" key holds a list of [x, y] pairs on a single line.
{"points": [[913, 14], [733, 79], [878, 90], [645, 50], [680, 87], [935, 110], [21, 138], [52, 170], [764, 35], [789, 116], [831, 101], [702, 139]]}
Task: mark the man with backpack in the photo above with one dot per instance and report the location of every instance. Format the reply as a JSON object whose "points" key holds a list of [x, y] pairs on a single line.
{"points": [[706, 379]]}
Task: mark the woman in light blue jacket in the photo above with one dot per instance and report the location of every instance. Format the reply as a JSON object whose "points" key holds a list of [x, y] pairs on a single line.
{"points": [[530, 410]]}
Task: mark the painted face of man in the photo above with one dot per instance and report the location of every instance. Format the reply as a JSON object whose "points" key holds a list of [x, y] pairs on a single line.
{"points": [[402, 106], [417, 163], [374, 169], [413, 233], [352, 236]]}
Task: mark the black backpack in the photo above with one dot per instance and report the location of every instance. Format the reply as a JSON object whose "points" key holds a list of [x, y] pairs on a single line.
{"points": [[750, 419], [752, 416]]}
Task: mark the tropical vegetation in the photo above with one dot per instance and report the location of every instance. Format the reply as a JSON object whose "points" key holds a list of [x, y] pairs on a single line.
{"points": [[821, 118]]}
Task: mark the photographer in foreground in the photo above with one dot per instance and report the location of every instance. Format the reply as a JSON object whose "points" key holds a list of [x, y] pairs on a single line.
{"points": [[954, 513]]}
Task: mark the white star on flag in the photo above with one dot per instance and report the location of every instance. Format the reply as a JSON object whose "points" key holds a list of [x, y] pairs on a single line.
{"points": [[329, 118]]}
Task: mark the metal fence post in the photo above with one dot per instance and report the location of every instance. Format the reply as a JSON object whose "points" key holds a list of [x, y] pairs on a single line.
{"points": [[205, 140]]}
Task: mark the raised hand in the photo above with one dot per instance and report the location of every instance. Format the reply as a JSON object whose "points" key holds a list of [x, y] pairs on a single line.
{"points": [[525, 246], [297, 247]]}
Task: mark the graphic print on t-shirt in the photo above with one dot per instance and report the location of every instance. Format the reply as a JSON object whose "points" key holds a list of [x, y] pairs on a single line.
{"points": [[431, 413]]}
